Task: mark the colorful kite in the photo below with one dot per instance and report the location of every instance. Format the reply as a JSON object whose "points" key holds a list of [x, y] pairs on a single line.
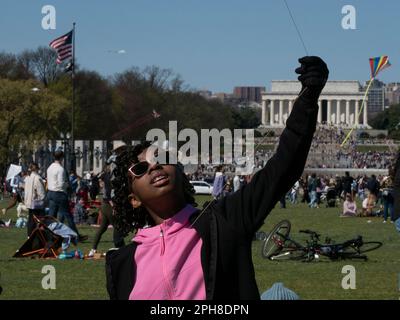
{"points": [[377, 64]]}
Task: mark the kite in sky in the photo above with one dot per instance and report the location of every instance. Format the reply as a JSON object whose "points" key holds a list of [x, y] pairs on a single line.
{"points": [[377, 64]]}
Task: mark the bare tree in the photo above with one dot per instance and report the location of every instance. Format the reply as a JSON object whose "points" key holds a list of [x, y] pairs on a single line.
{"points": [[42, 63], [158, 78]]}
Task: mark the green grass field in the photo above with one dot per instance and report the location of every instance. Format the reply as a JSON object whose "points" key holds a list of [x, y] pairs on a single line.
{"points": [[377, 278]]}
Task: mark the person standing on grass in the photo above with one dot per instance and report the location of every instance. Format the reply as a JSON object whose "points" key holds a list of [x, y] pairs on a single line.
{"points": [[73, 181], [396, 193], [94, 187], [219, 183], [347, 182], [35, 194], [181, 253], [387, 196], [294, 191], [304, 186], [57, 185], [236, 183], [107, 214], [312, 189], [373, 188]]}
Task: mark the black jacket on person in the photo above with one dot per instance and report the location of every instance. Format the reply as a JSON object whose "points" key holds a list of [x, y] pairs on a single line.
{"points": [[347, 182], [373, 186], [396, 188], [227, 227]]}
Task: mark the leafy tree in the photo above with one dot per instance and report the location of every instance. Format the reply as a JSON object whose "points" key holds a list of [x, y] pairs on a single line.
{"points": [[11, 67], [120, 107], [27, 116], [389, 120], [246, 117]]}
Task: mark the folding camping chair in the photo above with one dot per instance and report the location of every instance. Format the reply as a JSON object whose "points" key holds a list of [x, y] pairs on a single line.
{"points": [[42, 242]]}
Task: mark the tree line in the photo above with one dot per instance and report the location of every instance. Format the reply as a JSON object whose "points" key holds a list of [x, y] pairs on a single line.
{"points": [[36, 95]]}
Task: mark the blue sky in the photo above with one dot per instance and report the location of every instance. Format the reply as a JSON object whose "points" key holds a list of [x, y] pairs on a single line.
{"points": [[213, 45]]}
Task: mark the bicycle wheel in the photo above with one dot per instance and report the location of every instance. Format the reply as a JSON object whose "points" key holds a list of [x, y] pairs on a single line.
{"points": [[369, 246], [275, 241], [346, 251], [290, 254]]}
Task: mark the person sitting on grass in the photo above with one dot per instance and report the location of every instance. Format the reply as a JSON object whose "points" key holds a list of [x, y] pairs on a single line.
{"points": [[80, 212], [181, 253], [349, 207]]}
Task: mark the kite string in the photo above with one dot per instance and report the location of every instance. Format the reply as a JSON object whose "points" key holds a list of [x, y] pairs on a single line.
{"points": [[359, 112], [300, 94], [255, 149], [295, 25]]}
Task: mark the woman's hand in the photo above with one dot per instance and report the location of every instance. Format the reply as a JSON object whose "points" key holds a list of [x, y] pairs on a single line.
{"points": [[313, 75]]}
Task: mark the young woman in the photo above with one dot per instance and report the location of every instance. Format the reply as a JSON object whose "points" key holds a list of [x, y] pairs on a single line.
{"points": [[349, 207], [180, 252]]}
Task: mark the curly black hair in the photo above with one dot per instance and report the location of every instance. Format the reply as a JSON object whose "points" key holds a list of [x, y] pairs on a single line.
{"points": [[127, 218]]}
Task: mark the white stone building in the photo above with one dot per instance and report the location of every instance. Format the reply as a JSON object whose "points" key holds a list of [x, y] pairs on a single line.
{"points": [[340, 104]]}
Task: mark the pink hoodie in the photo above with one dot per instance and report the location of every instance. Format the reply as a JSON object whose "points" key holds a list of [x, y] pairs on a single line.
{"points": [[167, 259]]}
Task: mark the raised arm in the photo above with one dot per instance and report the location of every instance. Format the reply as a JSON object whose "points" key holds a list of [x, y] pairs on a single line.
{"points": [[247, 208], [396, 187]]}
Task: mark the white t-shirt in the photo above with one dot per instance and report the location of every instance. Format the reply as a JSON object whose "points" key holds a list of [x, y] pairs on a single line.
{"points": [[236, 183], [56, 180]]}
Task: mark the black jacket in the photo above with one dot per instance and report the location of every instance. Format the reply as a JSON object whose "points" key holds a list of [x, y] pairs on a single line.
{"points": [[228, 225], [396, 187], [373, 186]]}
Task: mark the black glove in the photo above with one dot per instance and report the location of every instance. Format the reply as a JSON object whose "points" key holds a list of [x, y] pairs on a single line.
{"points": [[313, 76]]}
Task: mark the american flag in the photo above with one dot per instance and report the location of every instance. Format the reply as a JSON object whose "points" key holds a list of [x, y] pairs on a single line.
{"points": [[63, 46]]}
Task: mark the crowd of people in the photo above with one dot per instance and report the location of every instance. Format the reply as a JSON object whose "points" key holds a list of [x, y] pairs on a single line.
{"points": [[326, 151], [68, 198], [374, 193]]}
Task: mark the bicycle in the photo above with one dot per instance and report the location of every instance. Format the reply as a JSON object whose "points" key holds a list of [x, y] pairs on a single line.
{"points": [[280, 246]]}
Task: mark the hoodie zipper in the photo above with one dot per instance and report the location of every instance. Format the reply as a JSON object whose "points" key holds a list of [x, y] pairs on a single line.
{"points": [[165, 273]]}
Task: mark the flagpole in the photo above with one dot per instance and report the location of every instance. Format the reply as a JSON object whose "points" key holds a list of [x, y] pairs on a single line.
{"points": [[73, 101]]}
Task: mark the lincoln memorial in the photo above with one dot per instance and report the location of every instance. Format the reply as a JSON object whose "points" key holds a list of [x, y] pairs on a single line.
{"points": [[339, 104]]}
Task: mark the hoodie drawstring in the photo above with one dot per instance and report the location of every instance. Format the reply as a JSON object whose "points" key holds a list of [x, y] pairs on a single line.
{"points": [[162, 242]]}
